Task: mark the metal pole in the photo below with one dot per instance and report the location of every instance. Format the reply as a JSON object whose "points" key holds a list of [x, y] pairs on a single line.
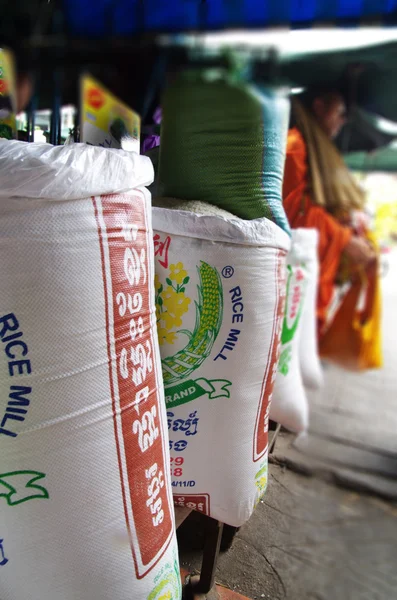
{"points": [[56, 109], [210, 556], [31, 113]]}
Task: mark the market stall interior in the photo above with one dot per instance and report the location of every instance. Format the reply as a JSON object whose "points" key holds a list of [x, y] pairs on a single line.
{"points": [[106, 41], [75, 58]]}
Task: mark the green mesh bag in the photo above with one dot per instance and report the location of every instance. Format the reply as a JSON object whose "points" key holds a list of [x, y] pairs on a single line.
{"points": [[223, 142]]}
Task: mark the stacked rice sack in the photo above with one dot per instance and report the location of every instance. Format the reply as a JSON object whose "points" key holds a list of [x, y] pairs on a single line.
{"points": [[309, 356], [220, 250], [220, 285], [299, 354], [85, 493], [223, 142]]}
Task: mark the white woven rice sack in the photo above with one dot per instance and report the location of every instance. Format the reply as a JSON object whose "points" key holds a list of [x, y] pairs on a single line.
{"points": [[289, 405], [85, 498], [309, 358], [219, 297]]}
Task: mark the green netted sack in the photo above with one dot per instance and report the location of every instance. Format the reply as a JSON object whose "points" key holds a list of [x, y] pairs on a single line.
{"points": [[223, 142]]}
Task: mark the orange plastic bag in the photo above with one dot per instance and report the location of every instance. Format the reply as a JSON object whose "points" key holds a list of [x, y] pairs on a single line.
{"points": [[353, 340]]}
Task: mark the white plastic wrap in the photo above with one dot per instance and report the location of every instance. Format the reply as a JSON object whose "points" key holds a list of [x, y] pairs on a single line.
{"points": [[43, 171], [85, 496]]}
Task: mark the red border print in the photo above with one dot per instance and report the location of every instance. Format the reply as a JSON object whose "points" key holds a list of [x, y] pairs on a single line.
{"points": [[262, 419], [127, 274]]}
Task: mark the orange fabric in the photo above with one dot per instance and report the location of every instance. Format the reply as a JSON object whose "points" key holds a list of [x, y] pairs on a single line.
{"points": [[353, 340], [301, 212]]}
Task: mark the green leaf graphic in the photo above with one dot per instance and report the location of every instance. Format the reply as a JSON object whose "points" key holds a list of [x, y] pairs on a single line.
{"points": [[20, 486]]}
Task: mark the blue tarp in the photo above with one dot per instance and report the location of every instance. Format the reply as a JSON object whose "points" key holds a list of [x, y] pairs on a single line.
{"points": [[99, 18]]}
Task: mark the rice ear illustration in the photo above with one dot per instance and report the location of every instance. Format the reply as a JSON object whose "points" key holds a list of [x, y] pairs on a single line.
{"points": [[209, 314]]}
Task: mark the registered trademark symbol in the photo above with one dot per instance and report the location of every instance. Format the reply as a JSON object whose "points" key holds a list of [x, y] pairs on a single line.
{"points": [[227, 272]]}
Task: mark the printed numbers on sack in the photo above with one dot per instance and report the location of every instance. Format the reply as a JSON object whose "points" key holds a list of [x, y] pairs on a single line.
{"points": [[133, 303], [183, 483], [134, 266], [146, 429], [176, 466], [155, 504]]}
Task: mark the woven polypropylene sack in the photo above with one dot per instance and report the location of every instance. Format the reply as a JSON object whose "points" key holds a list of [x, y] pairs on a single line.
{"points": [[85, 497], [223, 141], [289, 403], [219, 298], [309, 358]]}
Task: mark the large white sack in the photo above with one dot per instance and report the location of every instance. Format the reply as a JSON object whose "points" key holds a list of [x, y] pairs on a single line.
{"points": [[85, 497], [289, 404], [309, 358], [219, 296]]}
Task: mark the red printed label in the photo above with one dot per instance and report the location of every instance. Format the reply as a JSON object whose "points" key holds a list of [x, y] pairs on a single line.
{"points": [[262, 419], [161, 248], [128, 277], [95, 98], [200, 503], [3, 86]]}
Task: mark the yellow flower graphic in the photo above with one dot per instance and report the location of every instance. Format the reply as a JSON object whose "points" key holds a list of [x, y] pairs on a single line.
{"points": [[177, 273], [165, 336], [157, 282], [182, 303], [261, 484], [170, 320], [175, 303], [169, 297], [171, 303]]}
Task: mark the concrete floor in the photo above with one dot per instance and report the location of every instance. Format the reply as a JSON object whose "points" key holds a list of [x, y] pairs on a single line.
{"points": [[307, 540], [353, 419]]}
